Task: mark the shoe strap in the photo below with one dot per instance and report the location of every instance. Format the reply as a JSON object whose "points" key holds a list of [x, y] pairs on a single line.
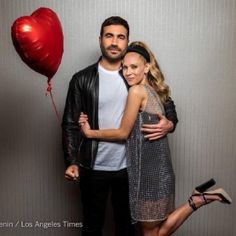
{"points": [[204, 198], [192, 204]]}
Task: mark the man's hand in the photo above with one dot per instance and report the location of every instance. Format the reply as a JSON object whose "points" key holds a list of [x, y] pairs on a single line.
{"points": [[72, 172], [157, 131]]}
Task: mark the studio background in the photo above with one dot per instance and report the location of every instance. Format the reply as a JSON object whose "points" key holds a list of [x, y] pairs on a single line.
{"points": [[195, 44]]}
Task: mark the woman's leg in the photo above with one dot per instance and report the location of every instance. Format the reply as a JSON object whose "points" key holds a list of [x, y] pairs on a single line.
{"points": [[176, 218], [150, 228]]}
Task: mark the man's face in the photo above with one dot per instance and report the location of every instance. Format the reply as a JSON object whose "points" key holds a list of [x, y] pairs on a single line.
{"points": [[113, 42]]}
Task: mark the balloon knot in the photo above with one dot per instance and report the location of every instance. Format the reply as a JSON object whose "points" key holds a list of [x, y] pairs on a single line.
{"points": [[49, 88]]}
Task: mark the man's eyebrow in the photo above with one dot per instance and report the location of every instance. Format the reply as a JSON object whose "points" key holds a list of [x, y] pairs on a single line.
{"points": [[108, 33], [121, 35], [118, 35]]}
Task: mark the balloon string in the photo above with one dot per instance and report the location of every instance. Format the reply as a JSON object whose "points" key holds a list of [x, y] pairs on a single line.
{"points": [[49, 90]]}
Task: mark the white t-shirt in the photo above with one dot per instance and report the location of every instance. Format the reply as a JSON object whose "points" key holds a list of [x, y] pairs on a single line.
{"points": [[112, 99]]}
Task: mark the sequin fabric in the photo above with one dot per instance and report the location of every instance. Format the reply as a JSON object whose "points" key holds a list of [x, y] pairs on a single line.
{"points": [[151, 176]]}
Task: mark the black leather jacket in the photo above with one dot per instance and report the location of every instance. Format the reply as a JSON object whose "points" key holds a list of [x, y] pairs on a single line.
{"points": [[83, 97]]}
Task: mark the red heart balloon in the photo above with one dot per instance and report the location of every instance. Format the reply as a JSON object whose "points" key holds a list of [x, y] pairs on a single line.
{"points": [[38, 39]]}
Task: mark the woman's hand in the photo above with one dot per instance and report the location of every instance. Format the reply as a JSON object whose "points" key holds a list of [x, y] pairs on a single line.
{"points": [[84, 125]]}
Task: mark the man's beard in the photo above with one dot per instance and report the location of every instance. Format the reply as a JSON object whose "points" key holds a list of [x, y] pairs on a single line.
{"points": [[115, 59]]}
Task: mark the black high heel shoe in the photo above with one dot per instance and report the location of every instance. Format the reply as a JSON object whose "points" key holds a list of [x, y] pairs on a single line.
{"points": [[201, 191], [203, 187]]}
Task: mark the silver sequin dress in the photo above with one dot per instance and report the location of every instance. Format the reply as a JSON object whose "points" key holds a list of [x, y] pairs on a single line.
{"points": [[151, 176]]}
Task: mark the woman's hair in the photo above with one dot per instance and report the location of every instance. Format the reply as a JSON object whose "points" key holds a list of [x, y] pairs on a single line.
{"points": [[154, 76]]}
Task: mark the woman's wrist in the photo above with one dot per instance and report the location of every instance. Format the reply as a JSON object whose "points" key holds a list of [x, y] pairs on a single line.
{"points": [[90, 133]]}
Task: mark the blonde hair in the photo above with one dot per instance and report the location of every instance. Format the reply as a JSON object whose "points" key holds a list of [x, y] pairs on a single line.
{"points": [[155, 76]]}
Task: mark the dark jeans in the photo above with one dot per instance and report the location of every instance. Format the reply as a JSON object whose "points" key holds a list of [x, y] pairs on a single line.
{"points": [[95, 188]]}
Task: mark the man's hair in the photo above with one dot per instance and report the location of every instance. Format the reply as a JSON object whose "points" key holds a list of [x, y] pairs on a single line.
{"points": [[115, 20]]}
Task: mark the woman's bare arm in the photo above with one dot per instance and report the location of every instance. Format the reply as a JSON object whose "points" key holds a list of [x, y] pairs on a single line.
{"points": [[135, 98]]}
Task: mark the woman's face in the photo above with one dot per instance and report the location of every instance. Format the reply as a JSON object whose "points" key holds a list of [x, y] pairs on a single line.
{"points": [[135, 68]]}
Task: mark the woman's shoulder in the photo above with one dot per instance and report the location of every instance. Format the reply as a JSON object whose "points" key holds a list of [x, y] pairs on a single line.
{"points": [[138, 89]]}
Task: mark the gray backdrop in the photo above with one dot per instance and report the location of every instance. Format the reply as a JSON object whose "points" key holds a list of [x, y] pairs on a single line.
{"points": [[195, 44]]}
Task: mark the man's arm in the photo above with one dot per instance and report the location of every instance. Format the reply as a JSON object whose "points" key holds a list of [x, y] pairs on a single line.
{"points": [[167, 124], [171, 113], [70, 130]]}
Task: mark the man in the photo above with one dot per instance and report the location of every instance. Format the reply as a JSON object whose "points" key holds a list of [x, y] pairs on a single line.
{"points": [[100, 92]]}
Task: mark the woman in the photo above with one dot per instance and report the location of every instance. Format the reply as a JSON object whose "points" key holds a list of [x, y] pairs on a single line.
{"points": [[151, 176]]}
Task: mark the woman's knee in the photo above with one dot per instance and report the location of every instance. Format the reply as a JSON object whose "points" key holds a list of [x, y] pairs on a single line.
{"points": [[150, 226]]}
